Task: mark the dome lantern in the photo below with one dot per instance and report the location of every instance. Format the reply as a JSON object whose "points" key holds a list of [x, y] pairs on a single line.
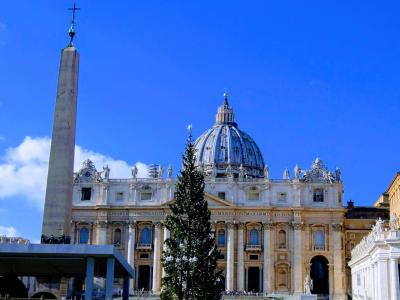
{"points": [[226, 151]]}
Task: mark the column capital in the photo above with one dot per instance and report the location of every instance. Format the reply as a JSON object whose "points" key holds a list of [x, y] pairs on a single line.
{"points": [[268, 225], [241, 225], [298, 225], [229, 225], [102, 224], [158, 225], [132, 224], [337, 227]]}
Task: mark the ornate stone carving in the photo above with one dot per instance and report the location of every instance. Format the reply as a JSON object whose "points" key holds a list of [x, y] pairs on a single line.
{"points": [[318, 173], [298, 225], [241, 225], [286, 174], [394, 222], [62, 239], [87, 173], [132, 224], [169, 171], [229, 225], [101, 224], [106, 171], [297, 172], [337, 227], [268, 225], [134, 172], [266, 172]]}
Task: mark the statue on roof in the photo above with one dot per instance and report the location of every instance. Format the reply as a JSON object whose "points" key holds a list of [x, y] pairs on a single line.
{"points": [[286, 174], [266, 172], [169, 171], [134, 172], [106, 171], [296, 172]]}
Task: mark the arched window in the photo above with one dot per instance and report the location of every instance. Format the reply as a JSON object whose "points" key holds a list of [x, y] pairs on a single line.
{"points": [[83, 235], [221, 237], [319, 240], [145, 236], [117, 237], [282, 239], [254, 240]]}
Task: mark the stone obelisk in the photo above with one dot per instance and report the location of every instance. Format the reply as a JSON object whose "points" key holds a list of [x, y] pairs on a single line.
{"points": [[56, 226]]}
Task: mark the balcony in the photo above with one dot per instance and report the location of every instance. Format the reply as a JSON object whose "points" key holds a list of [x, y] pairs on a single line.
{"points": [[143, 246], [319, 247], [253, 248]]}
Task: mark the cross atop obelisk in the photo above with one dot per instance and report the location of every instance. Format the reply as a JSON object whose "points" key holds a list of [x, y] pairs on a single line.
{"points": [[71, 31]]}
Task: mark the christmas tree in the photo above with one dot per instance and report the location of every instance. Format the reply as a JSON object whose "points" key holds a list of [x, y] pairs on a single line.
{"points": [[190, 259]]}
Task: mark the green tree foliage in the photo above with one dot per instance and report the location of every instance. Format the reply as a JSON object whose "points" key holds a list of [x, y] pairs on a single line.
{"points": [[190, 259]]}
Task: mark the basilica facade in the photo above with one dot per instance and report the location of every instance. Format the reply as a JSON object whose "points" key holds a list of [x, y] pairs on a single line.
{"points": [[272, 233]]}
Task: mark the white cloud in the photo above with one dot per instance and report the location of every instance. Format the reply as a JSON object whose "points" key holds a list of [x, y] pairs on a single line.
{"points": [[23, 170], [8, 231]]}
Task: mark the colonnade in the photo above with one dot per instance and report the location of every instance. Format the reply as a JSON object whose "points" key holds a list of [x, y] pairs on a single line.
{"points": [[237, 251], [235, 264]]}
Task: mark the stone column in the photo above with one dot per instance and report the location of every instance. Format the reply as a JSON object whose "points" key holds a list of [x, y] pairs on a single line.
{"points": [[338, 269], [240, 264], [131, 248], [394, 279], [297, 258], [229, 257], [73, 237], [156, 257], [382, 268], [165, 237], [266, 258], [376, 291], [105, 196], [132, 196], [101, 232]]}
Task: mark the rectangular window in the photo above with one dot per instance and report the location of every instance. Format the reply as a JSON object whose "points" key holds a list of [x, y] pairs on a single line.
{"points": [[221, 195], [253, 195], [220, 256], [144, 255], [146, 196], [318, 195], [86, 194], [119, 196], [253, 257], [282, 197]]}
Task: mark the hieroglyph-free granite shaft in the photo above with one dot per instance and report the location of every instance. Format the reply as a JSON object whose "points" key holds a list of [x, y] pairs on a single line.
{"points": [[58, 201]]}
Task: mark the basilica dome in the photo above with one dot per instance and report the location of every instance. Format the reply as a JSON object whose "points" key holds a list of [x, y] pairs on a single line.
{"points": [[226, 151]]}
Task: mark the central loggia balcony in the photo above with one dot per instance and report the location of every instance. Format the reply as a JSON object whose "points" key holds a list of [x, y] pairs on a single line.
{"points": [[144, 246], [253, 247]]}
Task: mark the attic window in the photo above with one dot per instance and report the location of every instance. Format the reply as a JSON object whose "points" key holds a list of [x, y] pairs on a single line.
{"points": [[221, 195], [253, 195], [318, 195], [146, 196], [119, 196], [86, 194], [282, 197]]}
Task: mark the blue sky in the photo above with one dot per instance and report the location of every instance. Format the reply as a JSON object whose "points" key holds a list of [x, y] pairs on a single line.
{"points": [[305, 79]]}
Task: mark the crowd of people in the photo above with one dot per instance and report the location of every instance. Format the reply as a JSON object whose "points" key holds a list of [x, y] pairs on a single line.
{"points": [[242, 293]]}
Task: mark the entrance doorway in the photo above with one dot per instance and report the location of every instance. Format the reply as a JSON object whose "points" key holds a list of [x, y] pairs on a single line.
{"points": [[144, 278], [319, 273], [253, 283]]}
